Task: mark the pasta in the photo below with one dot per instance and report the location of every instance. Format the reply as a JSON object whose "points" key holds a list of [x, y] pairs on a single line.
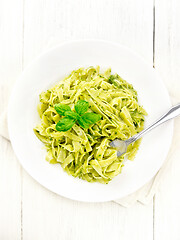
{"points": [[85, 153]]}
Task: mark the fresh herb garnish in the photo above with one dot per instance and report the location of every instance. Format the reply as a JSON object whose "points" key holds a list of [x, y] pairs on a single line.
{"points": [[65, 124], [85, 120], [71, 114], [81, 107], [62, 108]]}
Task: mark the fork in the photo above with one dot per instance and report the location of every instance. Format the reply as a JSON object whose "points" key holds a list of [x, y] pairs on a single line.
{"points": [[121, 146]]}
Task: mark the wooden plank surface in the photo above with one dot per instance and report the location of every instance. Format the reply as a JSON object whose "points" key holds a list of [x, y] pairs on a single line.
{"points": [[10, 67], [167, 61], [46, 215], [28, 210]]}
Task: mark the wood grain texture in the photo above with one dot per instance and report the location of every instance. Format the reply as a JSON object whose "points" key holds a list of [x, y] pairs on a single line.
{"points": [[10, 67], [128, 22], [167, 44], [167, 61], [46, 215], [28, 210]]}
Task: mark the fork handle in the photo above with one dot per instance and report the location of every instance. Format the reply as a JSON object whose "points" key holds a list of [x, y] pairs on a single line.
{"points": [[172, 113]]}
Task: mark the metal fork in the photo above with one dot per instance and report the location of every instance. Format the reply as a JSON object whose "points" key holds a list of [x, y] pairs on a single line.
{"points": [[121, 146]]}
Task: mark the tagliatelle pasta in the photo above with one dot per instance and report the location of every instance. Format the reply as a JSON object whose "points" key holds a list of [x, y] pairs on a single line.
{"points": [[85, 153]]}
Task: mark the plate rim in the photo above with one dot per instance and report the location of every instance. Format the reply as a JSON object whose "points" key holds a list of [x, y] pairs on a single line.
{"points": [[46, 52]]}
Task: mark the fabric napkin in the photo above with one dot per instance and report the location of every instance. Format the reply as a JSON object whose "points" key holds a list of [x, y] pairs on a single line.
{"points": [[144, 195]]}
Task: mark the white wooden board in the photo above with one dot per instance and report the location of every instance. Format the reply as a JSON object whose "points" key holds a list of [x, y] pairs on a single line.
{"points": [[27, 27], [167, 61], [11, 20]]}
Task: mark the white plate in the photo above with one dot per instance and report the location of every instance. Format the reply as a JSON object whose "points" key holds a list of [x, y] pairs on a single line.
{"points": [[51, 67]]}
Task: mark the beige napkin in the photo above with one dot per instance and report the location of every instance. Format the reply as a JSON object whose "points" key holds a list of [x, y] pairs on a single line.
{"points": [[144, 195]]}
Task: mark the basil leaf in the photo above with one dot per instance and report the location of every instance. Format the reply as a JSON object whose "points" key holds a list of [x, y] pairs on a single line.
{"points": [[91, 118], [71, 114], [83, 123], [62, 108], [88, 119], [65, 124], [71, 117], [81, 107]]}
